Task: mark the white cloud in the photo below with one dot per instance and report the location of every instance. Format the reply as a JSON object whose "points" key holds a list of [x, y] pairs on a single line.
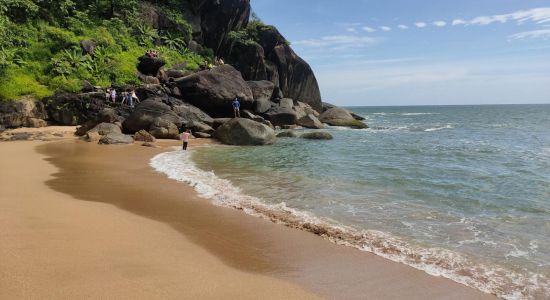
{"points": [[369, 29], [459, 22], [385, 28], [534, 34], [440, 23], [401, 26], [420, 24], [537, 15], [338, 42], [351, 29]]}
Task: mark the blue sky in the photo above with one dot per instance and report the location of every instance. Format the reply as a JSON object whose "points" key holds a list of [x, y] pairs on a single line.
{"points": [[420, 52]]}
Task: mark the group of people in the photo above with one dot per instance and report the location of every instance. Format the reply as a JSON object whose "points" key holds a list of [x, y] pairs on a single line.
{"points": [[152, 53], [128, 97], [206, 65], [187, 133]]}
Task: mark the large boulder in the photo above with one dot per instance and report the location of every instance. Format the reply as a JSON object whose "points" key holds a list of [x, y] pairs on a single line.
{"points": [[279, 116], [197, 126], [327, 106], [310, 121], [106, 128], [150, 66], [26, 112], [240, 131], [341, 117], [287, 134], [163, 129], [147, 112], [116, 138], [317, 135], [220, 121], [261, 90], [214, 90], [189, 113], [144, 136]]}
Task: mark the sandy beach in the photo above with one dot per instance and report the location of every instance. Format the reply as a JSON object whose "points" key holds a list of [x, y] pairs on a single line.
{"points": [[80, 220]]}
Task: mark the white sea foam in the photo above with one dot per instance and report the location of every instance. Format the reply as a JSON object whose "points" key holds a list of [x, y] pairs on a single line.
{"points": [[504, 283], [439, 128]]}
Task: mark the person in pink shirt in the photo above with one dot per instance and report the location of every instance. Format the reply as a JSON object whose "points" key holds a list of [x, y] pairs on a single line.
{"points": [[185, 138]]}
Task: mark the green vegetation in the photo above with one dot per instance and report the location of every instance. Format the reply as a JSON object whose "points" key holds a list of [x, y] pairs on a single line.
{"points": [[252, 33], [40, 49]]}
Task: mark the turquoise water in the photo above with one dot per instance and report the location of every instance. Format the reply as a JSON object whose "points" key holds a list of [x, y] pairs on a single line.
{"points": [[466, 187]]}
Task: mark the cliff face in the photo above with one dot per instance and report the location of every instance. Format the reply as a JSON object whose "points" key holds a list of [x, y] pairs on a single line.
{"points": [[271, 58]]}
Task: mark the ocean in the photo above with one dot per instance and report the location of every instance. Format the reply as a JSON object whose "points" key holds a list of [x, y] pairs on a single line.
{"points": [[457, 191]]}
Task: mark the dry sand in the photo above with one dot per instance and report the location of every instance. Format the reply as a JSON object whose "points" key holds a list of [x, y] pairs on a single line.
{"points": [[97, 222]]}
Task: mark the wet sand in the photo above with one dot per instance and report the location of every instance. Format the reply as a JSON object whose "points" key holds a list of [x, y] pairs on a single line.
{"points": [[106, 224]]}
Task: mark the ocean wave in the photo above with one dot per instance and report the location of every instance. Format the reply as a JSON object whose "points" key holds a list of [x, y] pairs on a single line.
{"points": [[405, 114], [438, 128], [177, 165]]}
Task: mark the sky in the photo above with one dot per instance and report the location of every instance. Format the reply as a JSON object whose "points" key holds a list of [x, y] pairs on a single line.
{"points": [[420, 52]]}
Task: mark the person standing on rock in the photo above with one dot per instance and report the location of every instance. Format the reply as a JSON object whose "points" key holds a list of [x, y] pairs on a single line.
{"points": [[237, 108], [113, 95], [185, 138]]}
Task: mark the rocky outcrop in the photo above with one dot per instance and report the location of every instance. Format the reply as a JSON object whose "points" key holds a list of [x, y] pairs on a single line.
{"points": [[327, 106], [214, 90], [72, 109], [274, 60], [27, 113], [218, 18], [240, 131], [317, 135], [147, 112], [341, 117]]}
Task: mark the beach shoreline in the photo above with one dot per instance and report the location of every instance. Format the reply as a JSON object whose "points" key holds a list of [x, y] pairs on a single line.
{"points": [[118, 179]]}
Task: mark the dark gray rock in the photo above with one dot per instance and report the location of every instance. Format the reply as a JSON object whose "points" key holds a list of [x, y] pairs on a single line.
{"points": [[261, 90], [150, 66], [262, 106], [147, 112], [219, 122], [241, 131], [189, 113], [317, 135], [116, 138], [281, 116], [197, 126]]}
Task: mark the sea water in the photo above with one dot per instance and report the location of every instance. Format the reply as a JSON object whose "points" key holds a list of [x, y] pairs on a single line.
{"points": [[458, 191]]}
